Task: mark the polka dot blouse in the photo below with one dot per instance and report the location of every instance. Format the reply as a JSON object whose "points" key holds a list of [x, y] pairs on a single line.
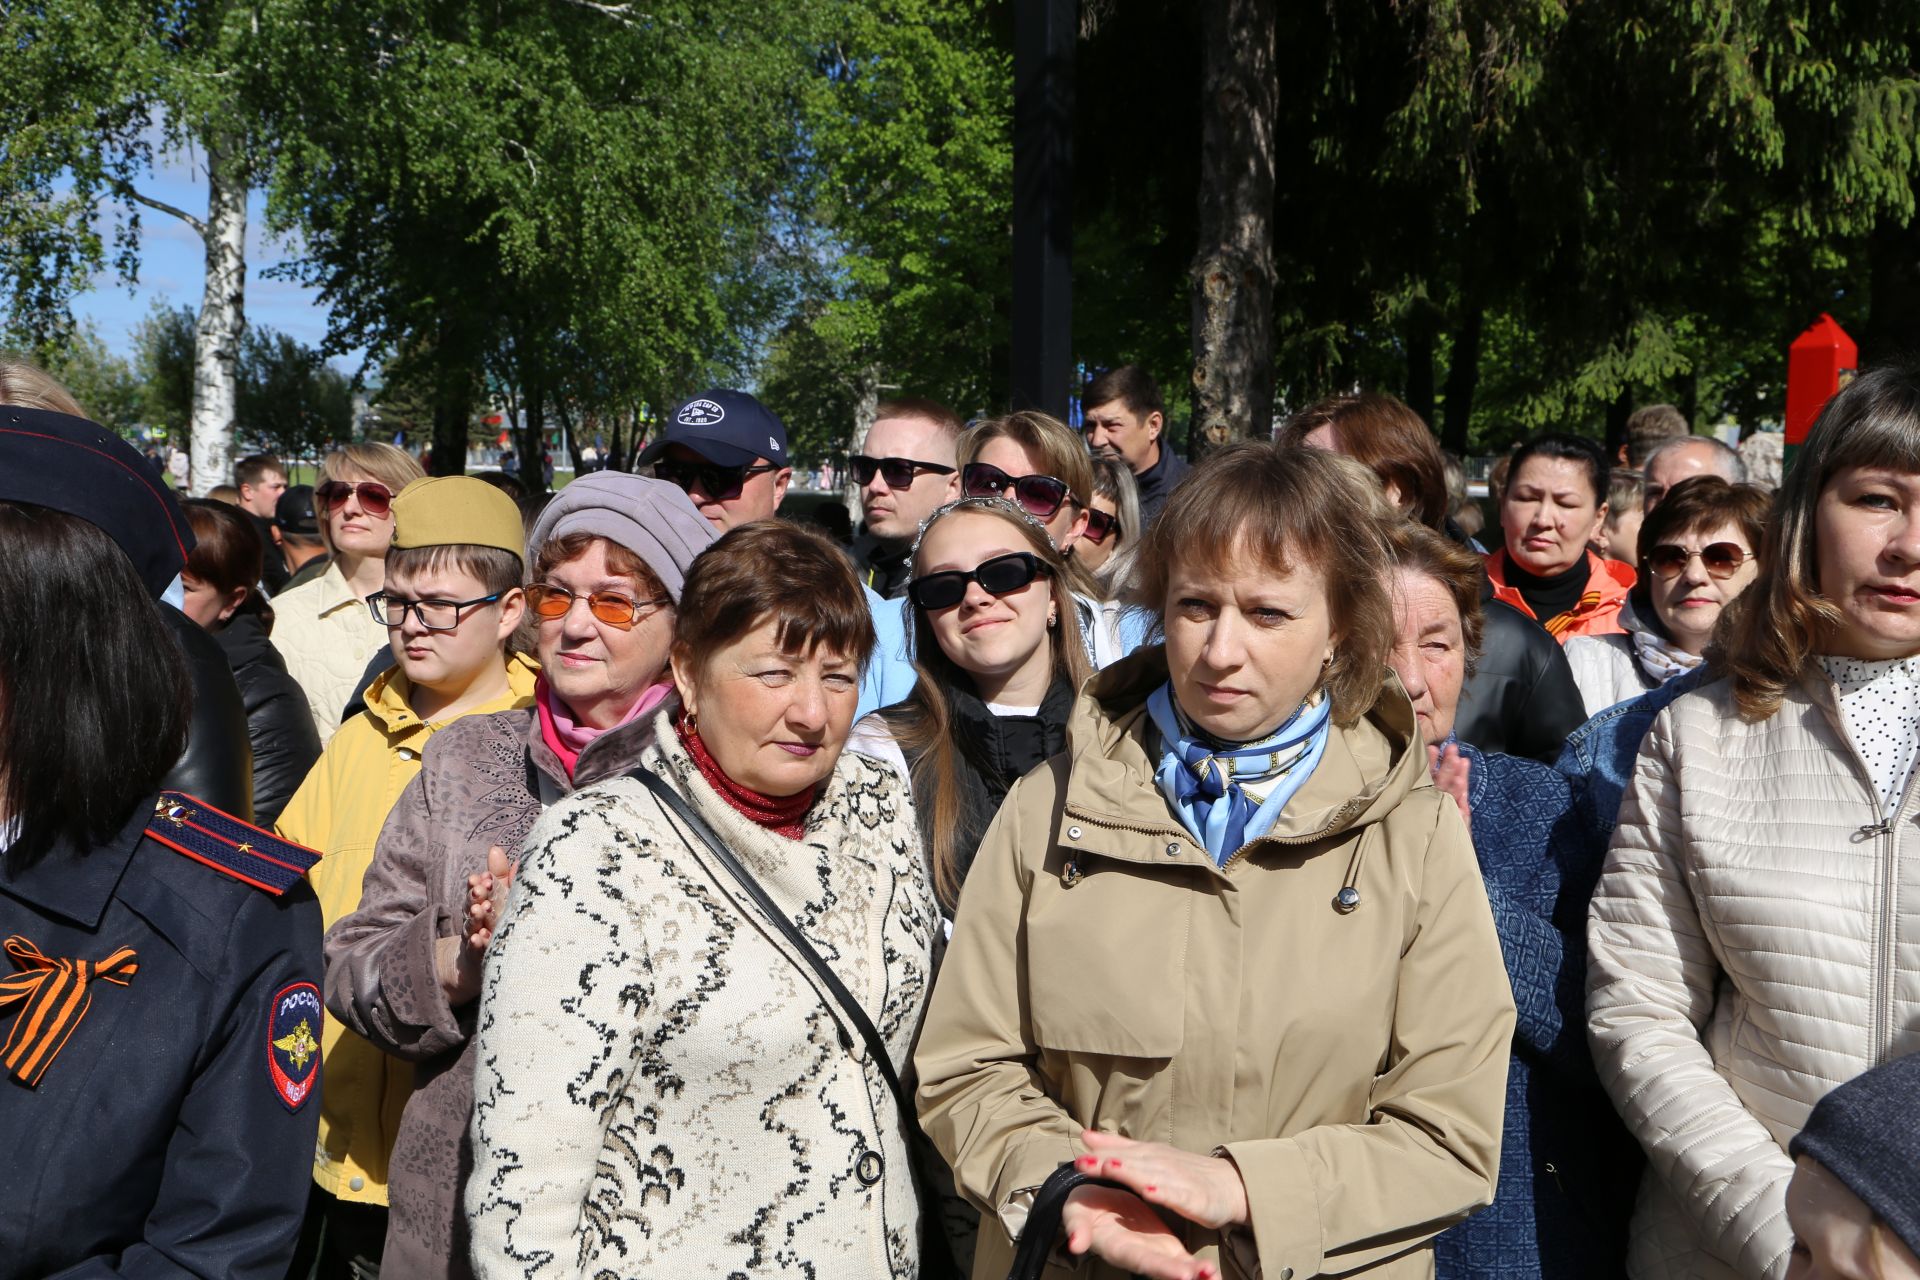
{"points": [[1880, 705]]}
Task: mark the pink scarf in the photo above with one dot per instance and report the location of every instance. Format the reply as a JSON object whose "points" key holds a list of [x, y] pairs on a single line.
{"points": [[568, 739]]}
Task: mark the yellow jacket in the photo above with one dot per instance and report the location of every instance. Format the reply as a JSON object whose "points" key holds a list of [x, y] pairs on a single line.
{"points": [[339, 810]]}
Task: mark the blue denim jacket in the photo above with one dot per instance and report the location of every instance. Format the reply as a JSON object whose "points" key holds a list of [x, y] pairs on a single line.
{"points": [[1599, 755]]}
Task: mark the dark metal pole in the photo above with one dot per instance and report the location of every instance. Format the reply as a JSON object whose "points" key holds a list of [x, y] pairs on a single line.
{"points": [[1042, 359]]}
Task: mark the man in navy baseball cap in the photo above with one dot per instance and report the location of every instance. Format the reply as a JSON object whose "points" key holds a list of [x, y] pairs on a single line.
{"points": [[729, 452]]}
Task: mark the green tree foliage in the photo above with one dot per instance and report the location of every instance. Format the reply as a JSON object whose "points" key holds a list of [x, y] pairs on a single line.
{"points": [[902, 252], [292, 403], [163, 356], [104, 384], [571, 200]]}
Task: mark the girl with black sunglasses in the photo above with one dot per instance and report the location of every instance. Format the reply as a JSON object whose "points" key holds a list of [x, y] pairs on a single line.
{"points": [[996, 645]]}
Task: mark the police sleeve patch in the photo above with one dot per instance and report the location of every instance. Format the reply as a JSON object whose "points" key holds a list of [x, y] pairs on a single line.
{"points": [[294, 1022]]}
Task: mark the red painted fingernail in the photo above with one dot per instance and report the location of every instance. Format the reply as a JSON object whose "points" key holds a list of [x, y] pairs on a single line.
{"points": [[1150, 1187], [1086, 1162], [1113, 1164]]}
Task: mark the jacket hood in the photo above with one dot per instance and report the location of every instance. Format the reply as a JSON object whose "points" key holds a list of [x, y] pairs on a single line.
{"points": [[244, 640], [387, 695], [1368, 768]]}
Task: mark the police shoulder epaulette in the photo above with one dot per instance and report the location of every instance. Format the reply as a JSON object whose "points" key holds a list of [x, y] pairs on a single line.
{"points": [[228, 845]]}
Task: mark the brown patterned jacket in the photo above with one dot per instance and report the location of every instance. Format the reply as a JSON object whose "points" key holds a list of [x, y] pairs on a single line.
{"points": [[484, 781]]}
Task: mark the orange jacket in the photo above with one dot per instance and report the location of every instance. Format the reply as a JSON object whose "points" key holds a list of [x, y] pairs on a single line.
{"points": [[1597, 613]]}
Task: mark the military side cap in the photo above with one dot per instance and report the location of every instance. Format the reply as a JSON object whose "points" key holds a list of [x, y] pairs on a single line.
{"points": [[442, 511], [68, 464], [228, 845]]}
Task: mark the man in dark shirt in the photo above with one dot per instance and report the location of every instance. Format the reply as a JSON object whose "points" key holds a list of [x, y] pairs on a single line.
{"points": [[1125, 419], [261, 480]]}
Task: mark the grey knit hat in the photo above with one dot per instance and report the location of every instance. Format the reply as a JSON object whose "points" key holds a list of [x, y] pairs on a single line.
{"points": [[651, 518], [1867, 1134]]}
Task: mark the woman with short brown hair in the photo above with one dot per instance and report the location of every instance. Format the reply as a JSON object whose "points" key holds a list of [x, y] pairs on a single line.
{"points": [[1230, 951], [661, 1085]]}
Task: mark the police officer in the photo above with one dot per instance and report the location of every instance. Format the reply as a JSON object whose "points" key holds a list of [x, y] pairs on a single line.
{"points": [[160, 1013]]}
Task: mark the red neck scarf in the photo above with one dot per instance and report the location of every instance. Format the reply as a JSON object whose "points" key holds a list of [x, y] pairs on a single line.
{"points": [[782, 815]]}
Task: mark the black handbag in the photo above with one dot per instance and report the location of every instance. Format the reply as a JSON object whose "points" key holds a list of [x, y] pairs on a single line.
{"points": [[936, 1259], [1043, 1220]]}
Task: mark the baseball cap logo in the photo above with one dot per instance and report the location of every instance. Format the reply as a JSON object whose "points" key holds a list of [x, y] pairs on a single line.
{"points": [[773, 444], [700, 413]]}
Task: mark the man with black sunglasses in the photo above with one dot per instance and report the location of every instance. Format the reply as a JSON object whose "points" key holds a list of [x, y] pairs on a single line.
{"points": [[906, 470], [729, 452]]}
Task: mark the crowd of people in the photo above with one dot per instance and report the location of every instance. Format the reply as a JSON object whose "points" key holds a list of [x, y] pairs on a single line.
{"points": [[1268, 868]]}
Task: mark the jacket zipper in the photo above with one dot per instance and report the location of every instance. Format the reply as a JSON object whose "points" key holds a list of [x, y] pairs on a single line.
{"points": [[1886, 843]]}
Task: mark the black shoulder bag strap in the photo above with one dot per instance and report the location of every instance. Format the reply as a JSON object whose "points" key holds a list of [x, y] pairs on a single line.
{"points": [[850, 1010]]}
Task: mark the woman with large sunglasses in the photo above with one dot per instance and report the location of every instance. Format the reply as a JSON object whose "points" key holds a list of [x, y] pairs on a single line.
{"points": [[996, 647], [1230, 949], [323, 628], [609, 556], [1039, 464], [1697, 551]]}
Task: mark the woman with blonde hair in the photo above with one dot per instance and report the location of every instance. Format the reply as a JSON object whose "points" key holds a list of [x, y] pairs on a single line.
{"points": [[1753, 942], [1038, 463], [1229, 952], [995, 642], [323, 628]]}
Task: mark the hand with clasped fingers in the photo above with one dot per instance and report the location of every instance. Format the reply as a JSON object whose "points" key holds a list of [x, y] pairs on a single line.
{"points": [[461, 960], [1125, 1228], [1452, 773]]}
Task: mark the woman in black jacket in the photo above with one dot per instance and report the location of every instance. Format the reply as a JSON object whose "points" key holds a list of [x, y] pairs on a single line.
{"points": [[223, 595], [997, 647]]}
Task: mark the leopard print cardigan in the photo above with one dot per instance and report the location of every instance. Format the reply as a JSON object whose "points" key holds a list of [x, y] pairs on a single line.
{"points": [[659, 1088]]}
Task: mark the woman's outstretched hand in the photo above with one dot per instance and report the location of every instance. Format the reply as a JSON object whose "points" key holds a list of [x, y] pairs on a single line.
{"points": [[1451, 773], [1122, 1226]]}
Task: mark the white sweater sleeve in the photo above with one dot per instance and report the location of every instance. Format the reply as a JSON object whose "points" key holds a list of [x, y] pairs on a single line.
{"points": [[1651, 985], [558, 1040]]}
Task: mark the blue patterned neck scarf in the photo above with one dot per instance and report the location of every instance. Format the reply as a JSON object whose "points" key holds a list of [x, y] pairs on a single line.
{"points": [[1205, 781]]}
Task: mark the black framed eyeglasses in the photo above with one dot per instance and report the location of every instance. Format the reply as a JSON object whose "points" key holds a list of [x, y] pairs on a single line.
{"points": [[897, 472], [1101, 525], [721, 484], [391, 610], [998, 576], [1720, 559], [549, 602], [1041, 495]]}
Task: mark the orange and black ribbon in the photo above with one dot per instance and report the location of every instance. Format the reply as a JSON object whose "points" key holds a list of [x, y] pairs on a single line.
{"points": [[52, 996]]}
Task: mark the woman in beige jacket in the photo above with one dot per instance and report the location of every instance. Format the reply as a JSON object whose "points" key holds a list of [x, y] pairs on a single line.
{"points": [[1755, 937], [1231, 950]]}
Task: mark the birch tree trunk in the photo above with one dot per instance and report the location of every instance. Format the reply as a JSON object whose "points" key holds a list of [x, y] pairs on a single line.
{"points": [[1233, 275], [216, 341], [865, 411]]}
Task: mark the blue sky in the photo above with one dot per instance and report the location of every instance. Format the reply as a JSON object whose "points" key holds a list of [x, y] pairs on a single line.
{"points": [[172, 267]]}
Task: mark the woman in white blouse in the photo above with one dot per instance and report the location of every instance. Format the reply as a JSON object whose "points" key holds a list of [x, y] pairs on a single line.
{"points": [[1755, 937]]}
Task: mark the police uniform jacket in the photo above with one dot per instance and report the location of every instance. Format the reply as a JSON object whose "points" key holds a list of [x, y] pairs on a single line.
{"points": [[170, 1132]]}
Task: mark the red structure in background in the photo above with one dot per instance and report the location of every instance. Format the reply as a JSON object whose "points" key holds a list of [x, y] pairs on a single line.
{"points": [[1819, 363]]}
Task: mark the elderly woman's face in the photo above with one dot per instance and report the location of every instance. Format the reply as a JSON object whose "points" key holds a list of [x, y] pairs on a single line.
{"points": [[774, 720], [1550, 513], [1867, 540], [1429, 651], [1692, 600], [598, 669], [1246, 644]]}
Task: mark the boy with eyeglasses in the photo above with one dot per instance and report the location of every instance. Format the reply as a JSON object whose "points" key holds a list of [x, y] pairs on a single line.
{"points": [[450, 604]]}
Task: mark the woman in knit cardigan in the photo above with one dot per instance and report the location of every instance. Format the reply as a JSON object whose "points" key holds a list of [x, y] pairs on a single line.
{"points": [[660, 1088]]}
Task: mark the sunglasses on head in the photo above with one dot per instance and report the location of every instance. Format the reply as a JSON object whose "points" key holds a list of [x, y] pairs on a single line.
{"points": [[996, 577], [721, 484], [1101, 525], [1042, 496], [375, 498], [897, 472], [549, 602], [1720, 559]]}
